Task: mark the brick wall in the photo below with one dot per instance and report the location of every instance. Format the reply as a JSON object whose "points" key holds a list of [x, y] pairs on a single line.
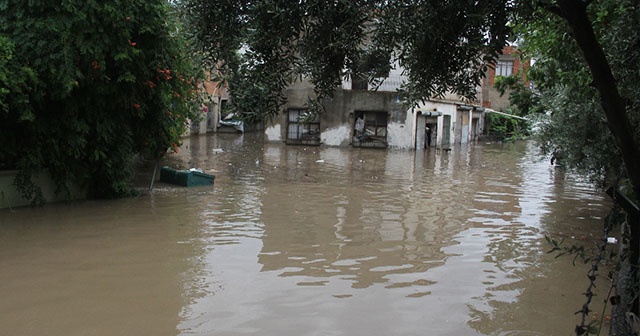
{"points": [[490, 96]]}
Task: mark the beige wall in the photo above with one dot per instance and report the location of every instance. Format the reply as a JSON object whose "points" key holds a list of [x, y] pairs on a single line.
{"points": [[10, 198], [336, 125]]}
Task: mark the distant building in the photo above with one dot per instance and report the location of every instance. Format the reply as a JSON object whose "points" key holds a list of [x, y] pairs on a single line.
{"points": [[509, 63], [358, 116], [218, 97]]}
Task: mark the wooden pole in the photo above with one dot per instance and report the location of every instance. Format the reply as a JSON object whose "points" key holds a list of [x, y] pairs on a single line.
{"points": [[153, 176]]}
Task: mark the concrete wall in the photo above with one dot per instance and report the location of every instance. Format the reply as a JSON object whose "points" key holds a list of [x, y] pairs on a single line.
{"points": [[336, 125], [216, 95], [466, 123], [11, 198], [458, 122], [439, 135]]}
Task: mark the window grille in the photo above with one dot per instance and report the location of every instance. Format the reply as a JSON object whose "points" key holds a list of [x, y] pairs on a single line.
{"points": [[301, 131], [370, 129]]}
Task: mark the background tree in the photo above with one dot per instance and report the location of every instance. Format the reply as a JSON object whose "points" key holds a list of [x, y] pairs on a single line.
{"points": [[89, 85], [443, 46], [524, 102], [577, 122], [591, 95], [324, 41]]}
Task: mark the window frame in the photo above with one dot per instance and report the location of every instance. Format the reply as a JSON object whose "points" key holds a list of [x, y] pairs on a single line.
{"points": [[374, 129], [504, 68], [301, 133]]}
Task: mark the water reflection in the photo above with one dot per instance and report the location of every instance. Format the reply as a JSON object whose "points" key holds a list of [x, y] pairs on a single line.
{"points": [[319, 241], [408, 242]]}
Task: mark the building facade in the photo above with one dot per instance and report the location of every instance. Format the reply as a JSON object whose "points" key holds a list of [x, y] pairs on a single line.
{"points": [[508, 63], [217, 97], [358, 116]]}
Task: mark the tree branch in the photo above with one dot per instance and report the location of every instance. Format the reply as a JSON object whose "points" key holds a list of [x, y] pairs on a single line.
{"points": [[575, 13], [551, 8]]}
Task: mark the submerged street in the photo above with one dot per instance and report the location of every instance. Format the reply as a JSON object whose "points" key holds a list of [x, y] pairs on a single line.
{"points": [[295, 240]]}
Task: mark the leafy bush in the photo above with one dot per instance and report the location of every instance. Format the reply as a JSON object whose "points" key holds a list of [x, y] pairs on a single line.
{"points": [[87, 85], [503, 128]]}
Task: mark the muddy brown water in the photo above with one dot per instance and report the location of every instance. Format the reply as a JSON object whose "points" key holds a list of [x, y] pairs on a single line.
{"points": [[309, 241]]}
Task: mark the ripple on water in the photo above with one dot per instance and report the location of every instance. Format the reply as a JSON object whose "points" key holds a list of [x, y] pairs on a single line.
{"points": [[313, 241]]}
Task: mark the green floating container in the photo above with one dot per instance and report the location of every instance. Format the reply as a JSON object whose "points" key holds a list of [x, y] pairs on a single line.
{"points": [[185, 178]]}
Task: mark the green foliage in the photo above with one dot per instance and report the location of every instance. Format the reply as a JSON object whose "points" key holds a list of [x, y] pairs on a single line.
{"points": [[503, 128], [90, 84], [575, 121], [262, 47], [259, 48], [444, 45], [524, 103], [523, 99], [16, 83]]}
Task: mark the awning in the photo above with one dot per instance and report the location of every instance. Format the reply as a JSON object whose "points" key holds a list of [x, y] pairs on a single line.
{"points": [[430, 113]]}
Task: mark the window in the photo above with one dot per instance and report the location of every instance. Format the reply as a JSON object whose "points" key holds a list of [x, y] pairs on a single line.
{"points": [[370, 129], [300, 131], [504, 68]]}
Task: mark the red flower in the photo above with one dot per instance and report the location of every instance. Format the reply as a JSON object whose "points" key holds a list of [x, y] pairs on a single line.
{"points": [[131, 43], [136, 106]]}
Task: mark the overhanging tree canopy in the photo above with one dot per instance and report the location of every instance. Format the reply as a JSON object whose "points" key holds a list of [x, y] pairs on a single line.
{"points": [[443, 45], [86, 85]]}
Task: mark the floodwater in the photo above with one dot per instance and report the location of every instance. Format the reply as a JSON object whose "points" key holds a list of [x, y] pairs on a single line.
{"points": [[310, 241]]}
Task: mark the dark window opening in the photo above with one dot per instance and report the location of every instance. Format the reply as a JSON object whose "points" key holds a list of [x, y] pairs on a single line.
{"points": [[301, 131], [359, 83], [370, 129]]}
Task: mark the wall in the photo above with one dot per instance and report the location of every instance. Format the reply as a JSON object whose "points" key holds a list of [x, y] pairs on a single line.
{"points": [[216, 94], [10, 198], [405, 127], [447, 109], [336, 125], [491, 98]]}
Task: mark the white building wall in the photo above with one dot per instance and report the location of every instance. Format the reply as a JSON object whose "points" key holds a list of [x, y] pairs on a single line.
{"points": [[447, 109], [337, 136], [273, 133], [400, 135], [337, 128]]}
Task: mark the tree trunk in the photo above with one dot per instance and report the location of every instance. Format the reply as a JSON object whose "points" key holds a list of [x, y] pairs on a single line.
{"points": [[575, 13]]}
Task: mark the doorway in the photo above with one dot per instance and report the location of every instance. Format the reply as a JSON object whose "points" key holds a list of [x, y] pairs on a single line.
{"points": [[446, 130]]}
